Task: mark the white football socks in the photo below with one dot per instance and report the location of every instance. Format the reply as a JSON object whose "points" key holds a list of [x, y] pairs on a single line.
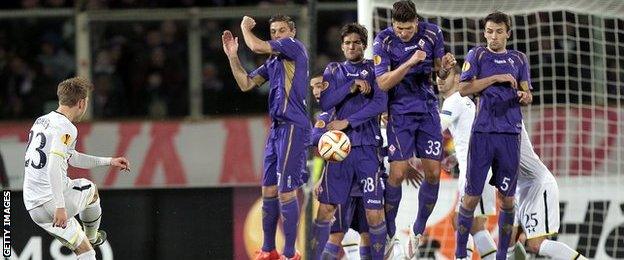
{"points": [[557, 250], [485, 245], [91, 217]]}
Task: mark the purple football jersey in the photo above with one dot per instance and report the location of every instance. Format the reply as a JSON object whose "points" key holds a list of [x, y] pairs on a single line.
{"points": [[287, 73], [414, 93], [498, 108], [362, 111]]}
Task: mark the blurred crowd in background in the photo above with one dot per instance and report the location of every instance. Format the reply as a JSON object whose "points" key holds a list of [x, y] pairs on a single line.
{"points": [[140, 69]]}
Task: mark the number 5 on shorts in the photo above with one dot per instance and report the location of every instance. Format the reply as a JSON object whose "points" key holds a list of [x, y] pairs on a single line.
{"points": [[505, 184]]}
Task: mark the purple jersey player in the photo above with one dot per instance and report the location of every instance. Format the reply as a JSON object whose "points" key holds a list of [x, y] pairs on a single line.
{"points": [[357, 101], [351, 214], [286, 69], [500, 78], [405, 55]]}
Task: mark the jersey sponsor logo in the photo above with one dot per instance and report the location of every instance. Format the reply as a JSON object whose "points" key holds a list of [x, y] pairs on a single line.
{"points": [[353, 74], [466, 66], [377, 59], [500, 61], [409, 48], [66, 139], [446, 112], [372, 201], [319, 124]]}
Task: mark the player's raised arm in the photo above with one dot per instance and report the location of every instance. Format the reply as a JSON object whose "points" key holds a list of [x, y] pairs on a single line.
{"points": [[374, 108], [230, 47], [386, 77], [469, 84], [334, 93], [253, 42]]}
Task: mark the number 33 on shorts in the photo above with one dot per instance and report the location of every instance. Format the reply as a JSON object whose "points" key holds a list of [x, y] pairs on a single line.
{"points": [[433, 147]]}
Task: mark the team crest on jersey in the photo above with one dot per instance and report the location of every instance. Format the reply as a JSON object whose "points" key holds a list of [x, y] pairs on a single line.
{"points": [[319, 124], [391, 149], [364, 73], [66, 139], [466, 66], [377, 59], [421, 43]]}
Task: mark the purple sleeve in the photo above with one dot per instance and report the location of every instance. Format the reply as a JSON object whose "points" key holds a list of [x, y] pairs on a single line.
{"points": [[438, 47], [259, 75], [320, 127], [381, 57], [470, 69], [289, 47], [525, 73], [334, 94], [374, 107]]}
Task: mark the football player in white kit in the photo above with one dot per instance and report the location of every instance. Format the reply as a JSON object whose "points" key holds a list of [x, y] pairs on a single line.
{"points": [[51, 198], [457, 115], [538, 205]]}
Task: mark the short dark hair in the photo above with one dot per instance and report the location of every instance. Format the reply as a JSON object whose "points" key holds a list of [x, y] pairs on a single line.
{"points": [[404, 11], [498, 17], [317, 73], [283, 18], [354, 28]]}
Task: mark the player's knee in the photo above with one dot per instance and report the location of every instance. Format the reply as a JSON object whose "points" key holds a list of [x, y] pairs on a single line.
{"points": [[432, 170], [269, 191], [432, 177], [395, 178], [336, 238], [287, 196], [470, 202], [325, 212], [96, 196], [364, 239], [533, 244], [374, 217], [508, 202]]}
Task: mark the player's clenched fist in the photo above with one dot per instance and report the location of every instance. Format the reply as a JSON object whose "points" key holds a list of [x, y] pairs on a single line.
{"points": [[248, 23], [448, 61], [417, 57]]}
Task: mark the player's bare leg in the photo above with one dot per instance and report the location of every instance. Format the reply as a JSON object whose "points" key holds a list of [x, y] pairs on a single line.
{"points": [[84, 251], [320, 233], [427, 197], [270, 216], [289, 207], [377, 232]]}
